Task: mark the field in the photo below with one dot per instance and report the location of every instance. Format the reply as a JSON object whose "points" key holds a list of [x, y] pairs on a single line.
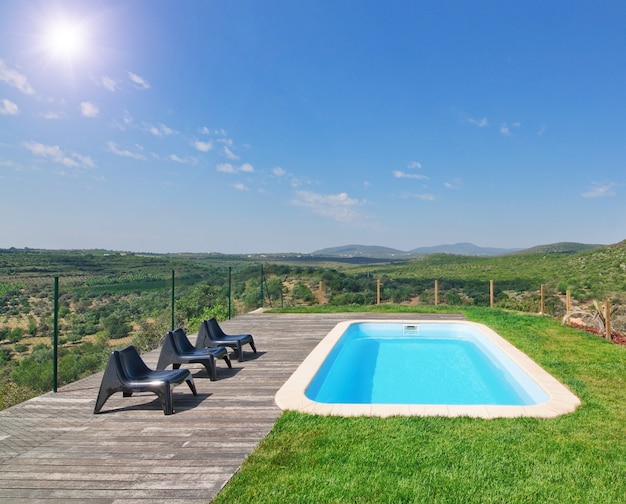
{"points": [[107, 299]]}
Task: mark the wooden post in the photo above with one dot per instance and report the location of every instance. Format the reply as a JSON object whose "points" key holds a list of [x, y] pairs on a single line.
{"points": [[378, 291], [568, 301], [607, 318], [543, 300], [491, 293], [436, 292], [320, 293]]}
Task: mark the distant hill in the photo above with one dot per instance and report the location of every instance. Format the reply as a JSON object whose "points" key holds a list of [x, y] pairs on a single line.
{"points": [[361, 250], [560, 248], [468, 249]]}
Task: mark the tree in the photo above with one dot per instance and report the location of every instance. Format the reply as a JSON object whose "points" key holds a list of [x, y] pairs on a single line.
{"points": [[116, 326]]}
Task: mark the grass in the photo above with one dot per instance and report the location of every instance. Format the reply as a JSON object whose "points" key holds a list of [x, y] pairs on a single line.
{"points": [[580, 457]]}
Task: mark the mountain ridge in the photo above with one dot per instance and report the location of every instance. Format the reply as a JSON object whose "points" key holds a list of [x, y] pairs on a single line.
{"points": [[462, 248]]}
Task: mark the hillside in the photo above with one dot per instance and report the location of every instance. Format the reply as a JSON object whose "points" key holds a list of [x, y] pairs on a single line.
{"points": [[467, 249], [560, 248]]}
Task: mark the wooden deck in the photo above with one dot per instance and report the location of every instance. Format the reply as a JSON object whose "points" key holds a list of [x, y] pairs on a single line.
{"points": [[53, 448]]}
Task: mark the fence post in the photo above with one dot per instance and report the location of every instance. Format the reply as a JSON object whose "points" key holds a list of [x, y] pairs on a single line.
{"points": [[55, 335], [261, 290], [568, 301], [436, 292], [229, 289], [172, 300], [607, 318], [491, 293], [378, 291], [320, 293], [543, 300]]}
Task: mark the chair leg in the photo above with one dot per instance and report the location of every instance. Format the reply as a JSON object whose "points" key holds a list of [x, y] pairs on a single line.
{"points": [[109, 385], [166, 399], [192, 385], [252, 345], [211, 368], [228, 363], [239, 352]]}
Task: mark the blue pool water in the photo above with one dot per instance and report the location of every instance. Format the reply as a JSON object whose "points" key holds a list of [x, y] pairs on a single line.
{"points": [[397, 363]]}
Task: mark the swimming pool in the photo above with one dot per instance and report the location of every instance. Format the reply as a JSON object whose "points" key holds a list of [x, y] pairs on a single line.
{"points": [[422, 368]]}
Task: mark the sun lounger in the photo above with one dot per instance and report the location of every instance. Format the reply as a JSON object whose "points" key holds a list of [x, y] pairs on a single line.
{"points": [[126, 372], [177, 350], [212, 335]]}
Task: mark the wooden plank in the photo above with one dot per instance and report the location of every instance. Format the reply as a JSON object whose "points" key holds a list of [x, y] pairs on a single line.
{"points": [[52, 448]]}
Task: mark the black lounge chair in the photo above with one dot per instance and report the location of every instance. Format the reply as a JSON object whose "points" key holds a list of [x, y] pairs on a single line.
{"points": [[126, 372], [177, 350], [211, 335]]}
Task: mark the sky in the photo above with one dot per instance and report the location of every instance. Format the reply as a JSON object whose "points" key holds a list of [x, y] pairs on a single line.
{"points": [[272, 126]]}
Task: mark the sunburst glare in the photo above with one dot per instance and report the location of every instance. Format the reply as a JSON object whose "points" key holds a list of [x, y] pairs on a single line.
{"points": [[66, 38]]}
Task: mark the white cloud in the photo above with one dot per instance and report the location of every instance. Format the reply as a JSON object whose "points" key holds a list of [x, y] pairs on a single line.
{"points": [[229, 168], [161, 130], [598, 190], [203, 146], [86, 161], [177, 159], [229, 154], [241, 187], [401, 174], [422, 196], [505, 129], [218, 132], [226, 141], [15, 79], [453, 184], [481, 123], [109, 83], [541, 131], [339, 207], [54, 153], [414, 165], [9, 108], [125, 152], [89, 109], [226, 168], [279, 172], [140, 82], [51, 114]]}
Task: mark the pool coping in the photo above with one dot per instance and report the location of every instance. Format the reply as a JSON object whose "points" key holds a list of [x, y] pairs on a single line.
{"points": [[291, 395]]}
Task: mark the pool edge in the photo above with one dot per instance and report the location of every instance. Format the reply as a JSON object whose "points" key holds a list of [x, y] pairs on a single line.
{"points": [[291, 395]]}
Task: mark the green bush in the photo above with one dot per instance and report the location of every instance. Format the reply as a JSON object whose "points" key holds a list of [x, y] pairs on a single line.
{"points": [[31, 374], [5, 355], [21, 348], [150, 335], [16, 335], [116, 326]]}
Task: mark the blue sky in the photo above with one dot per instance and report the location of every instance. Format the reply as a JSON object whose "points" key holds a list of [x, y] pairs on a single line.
{"points": [[280, 126]]}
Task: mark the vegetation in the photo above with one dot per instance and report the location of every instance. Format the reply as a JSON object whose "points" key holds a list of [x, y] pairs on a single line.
{"points": [[574, 458], [110, 299]]}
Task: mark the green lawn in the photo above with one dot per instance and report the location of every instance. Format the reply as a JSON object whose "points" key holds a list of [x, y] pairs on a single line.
{"points": [[580, 457]]}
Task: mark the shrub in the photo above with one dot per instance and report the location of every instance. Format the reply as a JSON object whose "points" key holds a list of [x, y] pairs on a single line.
{"points": [[150, 334], [21, 348], [116, 327], [5, 355], [30, 373], [16, 335]]}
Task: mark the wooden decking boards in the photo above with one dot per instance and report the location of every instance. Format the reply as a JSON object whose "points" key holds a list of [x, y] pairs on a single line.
{"points": [[53, 448]]}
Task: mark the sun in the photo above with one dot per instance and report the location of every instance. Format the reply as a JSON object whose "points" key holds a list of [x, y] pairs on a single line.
{"points": [[65, 38]]}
